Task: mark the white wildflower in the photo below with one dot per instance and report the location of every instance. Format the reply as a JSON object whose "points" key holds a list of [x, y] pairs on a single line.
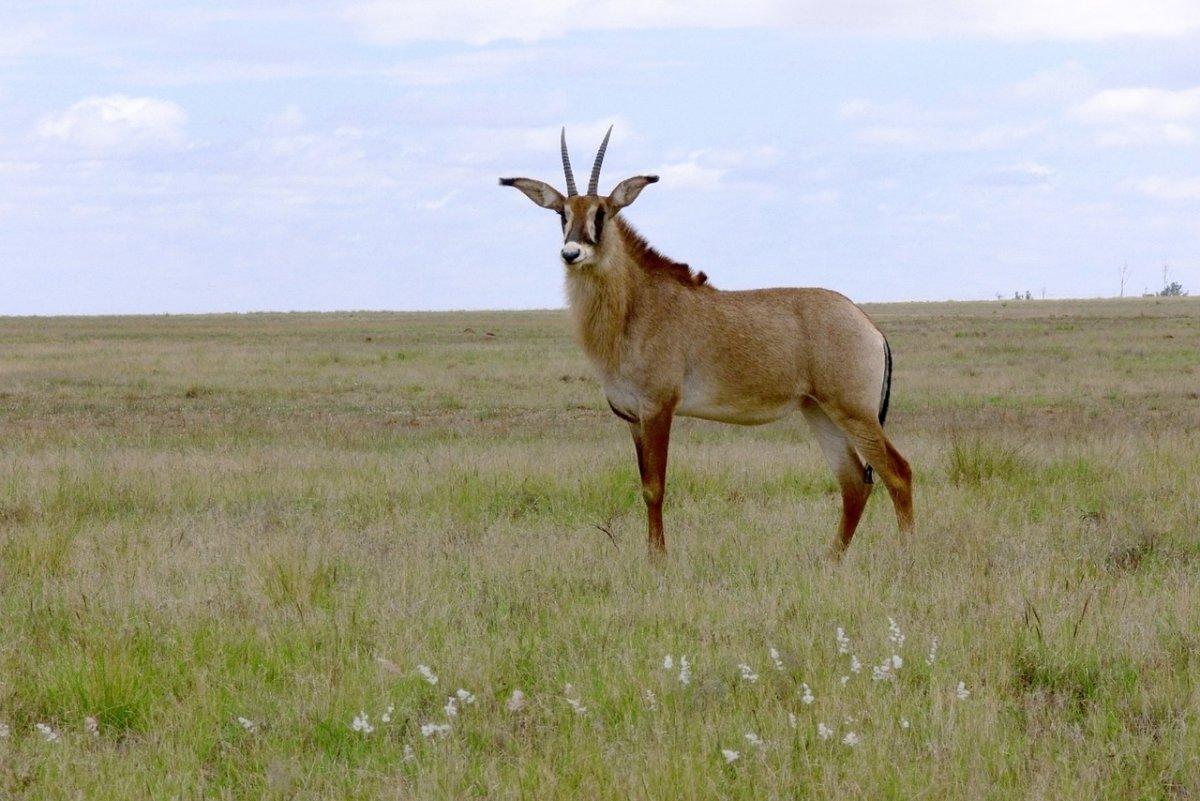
{"points": [[775, 658], [668, 662], [851, 739], [823, 731], [517, 701], [748, 673], [844, 679], [933, 648], [904, 724], [47, 732], [362, 722], [387, 715], [91, 726], [843, 642], [5, 731], [685, 671], [730, 755], [409, 754], [464, 696], [451, 707], [427, 674], [894, 633], [651, 700], [806, 694], [855, 664], [431, 729], [247, 724], [792, 719], [886, 671], [755, 740], [573, 700], [962, 692]]}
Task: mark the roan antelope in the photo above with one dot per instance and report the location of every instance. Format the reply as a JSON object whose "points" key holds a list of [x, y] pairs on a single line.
{"points": [[664, 342]]}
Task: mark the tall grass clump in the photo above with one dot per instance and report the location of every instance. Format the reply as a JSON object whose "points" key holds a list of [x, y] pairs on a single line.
{"points": [[976, 462]]}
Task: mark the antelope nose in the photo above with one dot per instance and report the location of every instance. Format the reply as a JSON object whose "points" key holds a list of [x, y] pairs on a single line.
{"points": [[570, 253]]}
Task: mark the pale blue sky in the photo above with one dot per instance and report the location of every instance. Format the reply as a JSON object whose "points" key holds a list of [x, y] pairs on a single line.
{"points": [[167, 157]]}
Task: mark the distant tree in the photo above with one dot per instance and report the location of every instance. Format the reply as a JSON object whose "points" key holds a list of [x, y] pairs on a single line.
{"points": [[1171, 289], [1028, 295]]}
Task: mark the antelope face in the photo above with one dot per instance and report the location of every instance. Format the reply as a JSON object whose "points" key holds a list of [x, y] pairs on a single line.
{"points": [[583, 222], [586, 219]]}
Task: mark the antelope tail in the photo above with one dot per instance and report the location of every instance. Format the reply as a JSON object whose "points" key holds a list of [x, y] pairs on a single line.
{"points": [[884, 400]]}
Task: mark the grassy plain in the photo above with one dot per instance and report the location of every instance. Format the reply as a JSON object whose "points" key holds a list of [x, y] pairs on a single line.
{"points": [[279, 517]]}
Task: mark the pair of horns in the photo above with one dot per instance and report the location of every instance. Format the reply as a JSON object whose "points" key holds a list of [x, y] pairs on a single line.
{"points": [[594, 181]]}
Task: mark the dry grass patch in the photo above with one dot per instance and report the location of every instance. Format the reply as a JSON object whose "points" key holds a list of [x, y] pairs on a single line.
{"points": [[231, 541]]}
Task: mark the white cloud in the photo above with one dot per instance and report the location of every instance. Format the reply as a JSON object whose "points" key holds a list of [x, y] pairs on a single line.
{"points": [[761, 156], [862, 108], [1022, 174], [586, 135], [1068, 80], [690, 175], [821, 197], [462, 67], [436, 204], [1143, 103], [716, 168], [1141, 115], [1166, 188], [934, 138], [115, 122], [21, 40], [511, 145], [290, 119], [398, 21], [1145, 134], [15, 167]]}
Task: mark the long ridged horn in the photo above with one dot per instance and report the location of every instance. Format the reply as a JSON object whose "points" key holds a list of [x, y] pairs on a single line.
{"points": [[594, 183], [571, 190]]}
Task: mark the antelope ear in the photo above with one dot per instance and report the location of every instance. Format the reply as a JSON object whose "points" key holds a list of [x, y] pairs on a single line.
{"points": [[539, 192], [627, 191]]}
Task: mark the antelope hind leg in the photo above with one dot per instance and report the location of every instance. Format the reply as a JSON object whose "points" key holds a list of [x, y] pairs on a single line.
{"points": [[847, 468], [870, 441]]}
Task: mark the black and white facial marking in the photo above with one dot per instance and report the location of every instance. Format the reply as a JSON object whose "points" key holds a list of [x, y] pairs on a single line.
{"points": [[583, 221]]}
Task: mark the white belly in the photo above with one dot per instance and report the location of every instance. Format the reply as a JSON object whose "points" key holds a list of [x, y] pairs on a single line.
{"points": [[698, 401]]}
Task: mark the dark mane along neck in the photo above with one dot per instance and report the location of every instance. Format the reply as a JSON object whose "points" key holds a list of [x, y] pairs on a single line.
{"points": [[655, 263]]}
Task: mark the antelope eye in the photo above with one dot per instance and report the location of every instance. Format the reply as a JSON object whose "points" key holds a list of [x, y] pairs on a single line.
{"points": [[599, 222]]}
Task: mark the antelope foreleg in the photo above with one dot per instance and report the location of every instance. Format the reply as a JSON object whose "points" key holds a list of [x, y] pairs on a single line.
{"points": [[655, 437]]}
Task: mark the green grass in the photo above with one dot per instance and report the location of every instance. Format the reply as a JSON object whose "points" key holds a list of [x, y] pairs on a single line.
{"points": [[279, 517]]}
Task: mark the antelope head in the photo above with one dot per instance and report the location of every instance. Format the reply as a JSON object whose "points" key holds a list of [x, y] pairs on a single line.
{"points": [[586, 219]]}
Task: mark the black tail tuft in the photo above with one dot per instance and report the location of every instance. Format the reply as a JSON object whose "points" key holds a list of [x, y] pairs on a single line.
{"points": [[887, 382], [885, 399]]}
